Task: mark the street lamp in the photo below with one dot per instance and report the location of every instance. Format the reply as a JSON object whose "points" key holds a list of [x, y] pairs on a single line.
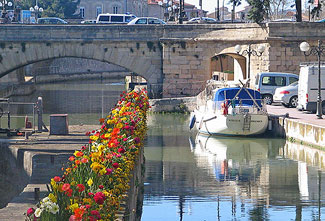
{"points": [[37, 10], [164, 5], [319, 51], [4, 4], [249, 52]]}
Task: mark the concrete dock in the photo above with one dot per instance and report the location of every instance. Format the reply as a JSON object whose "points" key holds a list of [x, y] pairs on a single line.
{"points": [[299, 126]]}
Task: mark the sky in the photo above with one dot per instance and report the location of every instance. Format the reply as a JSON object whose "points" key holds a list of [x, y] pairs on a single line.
{"points": [[210, 5]]}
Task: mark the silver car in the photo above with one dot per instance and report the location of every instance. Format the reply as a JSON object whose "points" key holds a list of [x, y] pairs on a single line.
{"points": [[287, 96]]}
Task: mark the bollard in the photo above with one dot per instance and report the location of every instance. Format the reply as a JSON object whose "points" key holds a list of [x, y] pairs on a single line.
{"points": [[36, 193], [40, 113]]}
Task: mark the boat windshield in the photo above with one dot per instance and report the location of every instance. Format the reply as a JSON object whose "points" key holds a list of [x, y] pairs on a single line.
{"points": [[237, 96]]}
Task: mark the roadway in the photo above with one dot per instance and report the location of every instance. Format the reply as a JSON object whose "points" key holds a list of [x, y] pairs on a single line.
{"points": [[300, 116]]}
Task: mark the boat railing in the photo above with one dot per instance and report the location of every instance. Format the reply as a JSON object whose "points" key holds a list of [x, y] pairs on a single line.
{"points": [[241, 106]]}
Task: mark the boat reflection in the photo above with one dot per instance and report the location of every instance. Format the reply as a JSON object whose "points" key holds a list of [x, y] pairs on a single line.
{"points": [[234, 158]]}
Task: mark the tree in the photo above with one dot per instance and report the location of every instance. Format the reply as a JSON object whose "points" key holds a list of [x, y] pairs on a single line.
{"points": [[234, 4], [298, 11], [277, 8], [259, 10], [54, 8]]}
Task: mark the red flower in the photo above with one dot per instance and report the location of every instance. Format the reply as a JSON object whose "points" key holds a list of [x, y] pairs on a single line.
{"points": [[80, 187], [95, 213], [121, 150], [57, 179], [69, 192], [90, 194], [101, 187], [115, 165], [71, 158], [99, 198], [66, 187]]}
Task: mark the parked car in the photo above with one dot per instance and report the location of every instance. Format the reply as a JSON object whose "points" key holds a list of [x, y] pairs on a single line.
{"points": [[88, 22], [114, 18], [51, 20], [287, 96], [200, 20], [147, 21], [267, 82]]}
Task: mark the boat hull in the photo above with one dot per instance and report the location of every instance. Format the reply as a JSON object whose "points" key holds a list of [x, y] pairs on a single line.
{"points": [[231, 125]]}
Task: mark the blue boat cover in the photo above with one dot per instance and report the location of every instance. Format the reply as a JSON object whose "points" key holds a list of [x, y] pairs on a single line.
{"points": [[229, 93]]}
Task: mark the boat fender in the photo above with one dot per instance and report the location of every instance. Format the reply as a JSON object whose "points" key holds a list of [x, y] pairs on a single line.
{"points": [[192, 121], [224, 108]]}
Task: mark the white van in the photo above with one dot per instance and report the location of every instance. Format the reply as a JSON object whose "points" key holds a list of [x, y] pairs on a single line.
{"points": [[267, 82], [308, 87], [114, 18]]}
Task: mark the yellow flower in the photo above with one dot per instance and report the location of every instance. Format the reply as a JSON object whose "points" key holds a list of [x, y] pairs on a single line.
{"points": [[101, 148], [87, 200], [52, 198], [54, 185], [119, 125], [73, 183], [74, 206], [103, 171], [90, 182]]}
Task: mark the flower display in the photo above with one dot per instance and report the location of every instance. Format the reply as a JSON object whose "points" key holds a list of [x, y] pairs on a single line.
{"points": [[96, 178]]}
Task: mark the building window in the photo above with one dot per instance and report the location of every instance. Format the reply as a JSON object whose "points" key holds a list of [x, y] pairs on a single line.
{"points": [[98, 10], [115, 9], [82, 12]]}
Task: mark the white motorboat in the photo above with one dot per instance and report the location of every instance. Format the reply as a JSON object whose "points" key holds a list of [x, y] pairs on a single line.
{"points": [[231, 111]]}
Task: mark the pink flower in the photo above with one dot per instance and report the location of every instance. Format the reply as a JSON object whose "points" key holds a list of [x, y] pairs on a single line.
{"points": [[66, 187], [125, 139], [84, 160], [30, 211], [108, 171], [137, 140]]}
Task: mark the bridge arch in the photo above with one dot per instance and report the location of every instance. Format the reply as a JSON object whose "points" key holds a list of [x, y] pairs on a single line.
{"points": [[228, 66], [138, 57]]}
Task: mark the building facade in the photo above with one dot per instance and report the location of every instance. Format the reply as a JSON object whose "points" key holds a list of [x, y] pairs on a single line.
{"points": [[90, 9]]}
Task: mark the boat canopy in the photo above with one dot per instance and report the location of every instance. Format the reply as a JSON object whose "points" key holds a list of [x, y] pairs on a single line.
{"points": [[242, 98]]}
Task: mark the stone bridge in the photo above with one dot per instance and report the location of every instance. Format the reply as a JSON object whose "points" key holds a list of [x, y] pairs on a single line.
{"points": [[176, 60]]}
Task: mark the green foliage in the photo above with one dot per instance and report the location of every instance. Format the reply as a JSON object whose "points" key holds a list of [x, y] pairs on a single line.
{"points": [[53, 8], [259, 10]]}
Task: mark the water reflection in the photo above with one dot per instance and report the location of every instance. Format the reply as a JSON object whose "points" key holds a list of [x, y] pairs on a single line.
{"points": [[209, 178], [84, 100]]}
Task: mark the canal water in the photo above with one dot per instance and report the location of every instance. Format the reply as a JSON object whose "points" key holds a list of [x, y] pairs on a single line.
{"points": [[200, 178]]}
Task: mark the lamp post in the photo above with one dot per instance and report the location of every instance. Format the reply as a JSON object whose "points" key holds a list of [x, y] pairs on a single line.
{"points": [[319, 51], [37, 10], [164, 5], [4, 4], [249, 52]]}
